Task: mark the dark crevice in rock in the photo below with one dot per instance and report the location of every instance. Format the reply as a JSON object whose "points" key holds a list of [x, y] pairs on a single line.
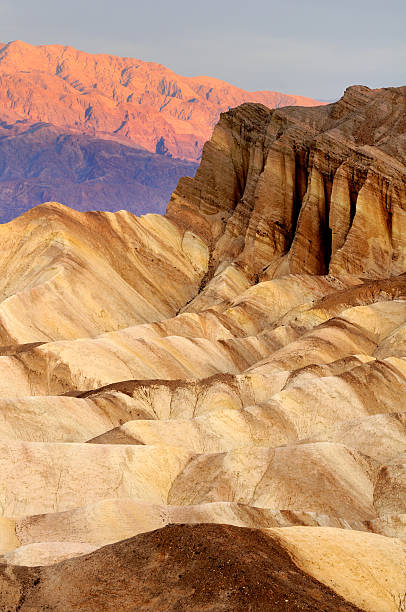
{"points": [[387, 203], [16, 349], [301, 184], [326, 231], [358, 178]]}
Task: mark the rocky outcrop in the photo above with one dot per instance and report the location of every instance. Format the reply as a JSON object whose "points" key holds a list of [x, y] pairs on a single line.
{"points": [[231, 375], [318, 190]]}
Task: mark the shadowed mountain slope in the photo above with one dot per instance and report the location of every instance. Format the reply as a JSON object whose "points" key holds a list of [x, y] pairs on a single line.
{"points": [[40, 162]]}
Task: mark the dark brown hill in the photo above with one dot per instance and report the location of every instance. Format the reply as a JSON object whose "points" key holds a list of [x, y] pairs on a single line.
{"points": [[180, 567]]}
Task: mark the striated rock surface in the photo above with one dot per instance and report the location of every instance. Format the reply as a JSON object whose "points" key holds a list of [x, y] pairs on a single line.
{"points": [[206, 410], [149, 273], [316, 191]]}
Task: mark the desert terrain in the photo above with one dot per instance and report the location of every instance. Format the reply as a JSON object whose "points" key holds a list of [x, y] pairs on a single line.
{"points": [[206, 410]]}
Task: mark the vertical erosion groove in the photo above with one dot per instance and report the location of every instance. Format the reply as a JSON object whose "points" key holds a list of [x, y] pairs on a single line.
{"points": [[325, 229], [301, 183], [387, 204], [355, 184]]}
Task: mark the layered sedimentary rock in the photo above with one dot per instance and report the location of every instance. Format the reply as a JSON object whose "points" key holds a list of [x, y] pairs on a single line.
{"points": [[215, 398], [147, 274], [317, 190]]}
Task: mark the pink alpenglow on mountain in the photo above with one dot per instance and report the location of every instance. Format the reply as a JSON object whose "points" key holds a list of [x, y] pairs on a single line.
{"points": [[126, 99], [98, 132]]}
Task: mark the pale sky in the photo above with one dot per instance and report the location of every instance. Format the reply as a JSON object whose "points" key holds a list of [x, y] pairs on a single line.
{"points": [[314, 48]]}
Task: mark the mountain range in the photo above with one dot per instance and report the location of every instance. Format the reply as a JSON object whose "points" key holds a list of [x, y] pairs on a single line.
{"points": [[204, 410], [103, 132]]}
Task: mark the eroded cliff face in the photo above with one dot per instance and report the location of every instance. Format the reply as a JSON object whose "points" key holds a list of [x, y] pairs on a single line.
{"points": [[319, 190]]}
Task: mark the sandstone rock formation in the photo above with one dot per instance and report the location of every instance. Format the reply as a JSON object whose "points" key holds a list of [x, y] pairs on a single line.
{"points": [[299, 190], [216, 396]]}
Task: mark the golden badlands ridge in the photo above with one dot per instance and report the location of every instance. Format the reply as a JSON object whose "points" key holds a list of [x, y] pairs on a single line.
{"points": [[206, 410]]}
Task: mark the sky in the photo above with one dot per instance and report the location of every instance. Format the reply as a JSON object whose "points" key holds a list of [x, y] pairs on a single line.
{"points": [[314, 48]]}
